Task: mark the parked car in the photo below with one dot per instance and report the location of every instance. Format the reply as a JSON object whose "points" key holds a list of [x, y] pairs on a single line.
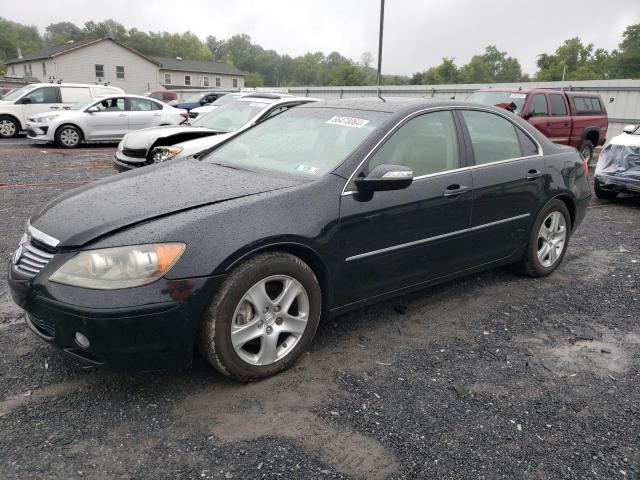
{"points": [[6, 90], [569, 118], [230, 97], [618, 169], [325, 208], [165, 96], [103, 119], [197, 100], [17, 106], [152, 145]]}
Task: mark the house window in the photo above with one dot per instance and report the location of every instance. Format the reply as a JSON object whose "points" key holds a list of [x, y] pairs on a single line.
{"points": [[217, 81], [187, 79], [235, 83], [167, 79], [99, 71], [30, 72], [119, 72], [44, 71], [205, 81]]}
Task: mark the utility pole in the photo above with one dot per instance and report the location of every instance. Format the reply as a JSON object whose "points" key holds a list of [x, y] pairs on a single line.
{"points": [[379, 76]]}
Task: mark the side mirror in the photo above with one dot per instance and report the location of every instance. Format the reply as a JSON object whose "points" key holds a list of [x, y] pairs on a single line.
{"points": [[92, 109], [385, 177], [528, 115], [629, 128], [25, 100]]}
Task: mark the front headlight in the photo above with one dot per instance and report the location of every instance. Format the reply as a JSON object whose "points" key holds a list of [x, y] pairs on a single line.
{"points": [[45, 119], [161, 154], [121, 145], [119, 267]]}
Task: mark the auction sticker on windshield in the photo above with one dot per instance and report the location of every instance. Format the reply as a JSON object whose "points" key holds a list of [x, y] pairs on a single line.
{"points": [[518, 95], [348, 121]]}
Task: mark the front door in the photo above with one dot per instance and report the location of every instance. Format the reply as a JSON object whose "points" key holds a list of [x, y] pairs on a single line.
{"points": [[509, 176], [537, 113], [111, 121], [560, 119], [396, 239], [40, 100]]}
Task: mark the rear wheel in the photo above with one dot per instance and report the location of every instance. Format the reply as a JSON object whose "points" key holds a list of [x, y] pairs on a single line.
{"points": [[263, 317], [548, 240], [68, 136], [586, 150], [9, 127], [602, 193]]}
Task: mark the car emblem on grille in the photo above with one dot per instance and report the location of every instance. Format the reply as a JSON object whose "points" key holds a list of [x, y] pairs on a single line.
{"points": [[17, 254]]}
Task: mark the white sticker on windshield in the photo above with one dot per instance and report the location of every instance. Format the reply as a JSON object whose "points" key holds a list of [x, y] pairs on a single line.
{"points": [[348, 121], [307, 169], [518, 95], [257, 104]]}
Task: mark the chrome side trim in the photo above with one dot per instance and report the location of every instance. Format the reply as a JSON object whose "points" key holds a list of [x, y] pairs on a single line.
{"points": [[41, 236], [434, 109], [437, 237]]}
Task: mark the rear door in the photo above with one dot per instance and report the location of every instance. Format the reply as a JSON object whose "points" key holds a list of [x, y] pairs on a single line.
{"points": [[143, 113], [396, 239], [509, 178], [560, 129], [111, 121]]}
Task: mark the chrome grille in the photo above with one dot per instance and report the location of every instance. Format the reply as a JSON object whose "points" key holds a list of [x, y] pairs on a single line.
{"points": [[32, 259]]}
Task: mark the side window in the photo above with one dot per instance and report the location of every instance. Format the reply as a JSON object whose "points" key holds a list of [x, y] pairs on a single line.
{"points": [[42, 95], [538, 106], [75, 94], [111, 105], [276, 111], [528, 146], [493, 137], [558, 107], [426, 144], [143, 105]]}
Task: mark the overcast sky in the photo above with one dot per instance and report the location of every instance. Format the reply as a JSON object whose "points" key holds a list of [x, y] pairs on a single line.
{"points": [[418, 33]]}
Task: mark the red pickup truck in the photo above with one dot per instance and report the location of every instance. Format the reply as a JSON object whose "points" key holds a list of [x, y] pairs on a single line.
{"points": [[569, 118]]}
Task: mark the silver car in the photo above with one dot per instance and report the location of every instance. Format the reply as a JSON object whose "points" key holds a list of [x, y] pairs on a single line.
{"points": [[104, 119], [153, 145]]}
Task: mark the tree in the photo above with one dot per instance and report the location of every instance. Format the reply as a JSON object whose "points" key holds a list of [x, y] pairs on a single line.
{"points": [[253, 80], [62, 32], [625, 63], [15, 35], [492, 66], [446, 72], [578, 61]]}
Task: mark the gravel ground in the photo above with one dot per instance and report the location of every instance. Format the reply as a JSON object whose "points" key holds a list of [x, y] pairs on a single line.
{"points": [[492, 376]]}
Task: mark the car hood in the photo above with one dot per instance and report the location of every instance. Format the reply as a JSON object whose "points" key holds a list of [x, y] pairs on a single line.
{"points": [[146, 137], [192, 147], [114, 203], [629, 140], [59, 113], [204, 109]]}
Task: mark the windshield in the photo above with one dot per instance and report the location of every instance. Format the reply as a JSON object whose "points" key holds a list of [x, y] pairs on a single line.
{"points": [[223, 100], [495, 98], [193, 98], [307, 142], [18, 93], [230, 117]]}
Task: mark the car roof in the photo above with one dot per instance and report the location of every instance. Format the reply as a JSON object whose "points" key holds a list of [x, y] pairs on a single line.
{"points": [[387, 104], [275, 99], [47, 84]]}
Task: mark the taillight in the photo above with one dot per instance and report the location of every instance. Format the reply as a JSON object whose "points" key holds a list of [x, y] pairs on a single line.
{"points": [[585, 166], [184, 115]]}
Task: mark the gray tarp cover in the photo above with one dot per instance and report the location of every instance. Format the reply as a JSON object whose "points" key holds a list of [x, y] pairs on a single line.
{"points": [[621, 162]]}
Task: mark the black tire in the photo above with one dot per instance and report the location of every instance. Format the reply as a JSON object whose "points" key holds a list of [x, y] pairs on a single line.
{"points": [[585, 149], [530, 264], [9, 127], [214, 338], [68, 136], [602, 193]]}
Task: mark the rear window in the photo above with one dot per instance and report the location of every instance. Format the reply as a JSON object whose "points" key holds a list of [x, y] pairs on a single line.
{"points": [[587, 105]]}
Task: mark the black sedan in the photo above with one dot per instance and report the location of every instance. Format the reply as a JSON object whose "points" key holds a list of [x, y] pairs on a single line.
{"points": [[325, 208]]}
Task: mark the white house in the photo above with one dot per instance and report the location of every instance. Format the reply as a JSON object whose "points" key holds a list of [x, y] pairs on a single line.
{"points": [[107, 60]]}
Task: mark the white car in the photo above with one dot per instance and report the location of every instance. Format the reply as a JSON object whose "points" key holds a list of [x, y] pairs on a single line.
{"points": [[20, 104], [105, 119], [152, 145]]}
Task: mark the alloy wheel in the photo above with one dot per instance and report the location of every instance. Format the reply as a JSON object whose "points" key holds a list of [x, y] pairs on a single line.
{"points": [[585, 152], [551, 239], [269, 320], [69, 137], [7, 128]]}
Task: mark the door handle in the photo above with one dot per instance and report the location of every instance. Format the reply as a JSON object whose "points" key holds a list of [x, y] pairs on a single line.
{"points": [[548, 124], [54, 108], [123, 115], [156, 114], [533, 174], [567, 124], [455, 190]]}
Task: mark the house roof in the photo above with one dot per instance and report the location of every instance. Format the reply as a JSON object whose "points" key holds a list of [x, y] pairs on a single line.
{"points": [[51, 52], [197, 66]]}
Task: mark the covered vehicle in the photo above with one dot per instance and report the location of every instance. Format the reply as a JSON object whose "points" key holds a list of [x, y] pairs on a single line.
{"points": [[152, 145], [618, 168], [325, 208]]}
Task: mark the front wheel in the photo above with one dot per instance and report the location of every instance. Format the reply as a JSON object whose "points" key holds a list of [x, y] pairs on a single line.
{"points": [[263, 317], [8, 127], [548, 240], [68, 136]]}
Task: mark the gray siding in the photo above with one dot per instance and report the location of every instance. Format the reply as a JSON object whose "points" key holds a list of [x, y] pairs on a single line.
{"points": [[177, 79]]}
